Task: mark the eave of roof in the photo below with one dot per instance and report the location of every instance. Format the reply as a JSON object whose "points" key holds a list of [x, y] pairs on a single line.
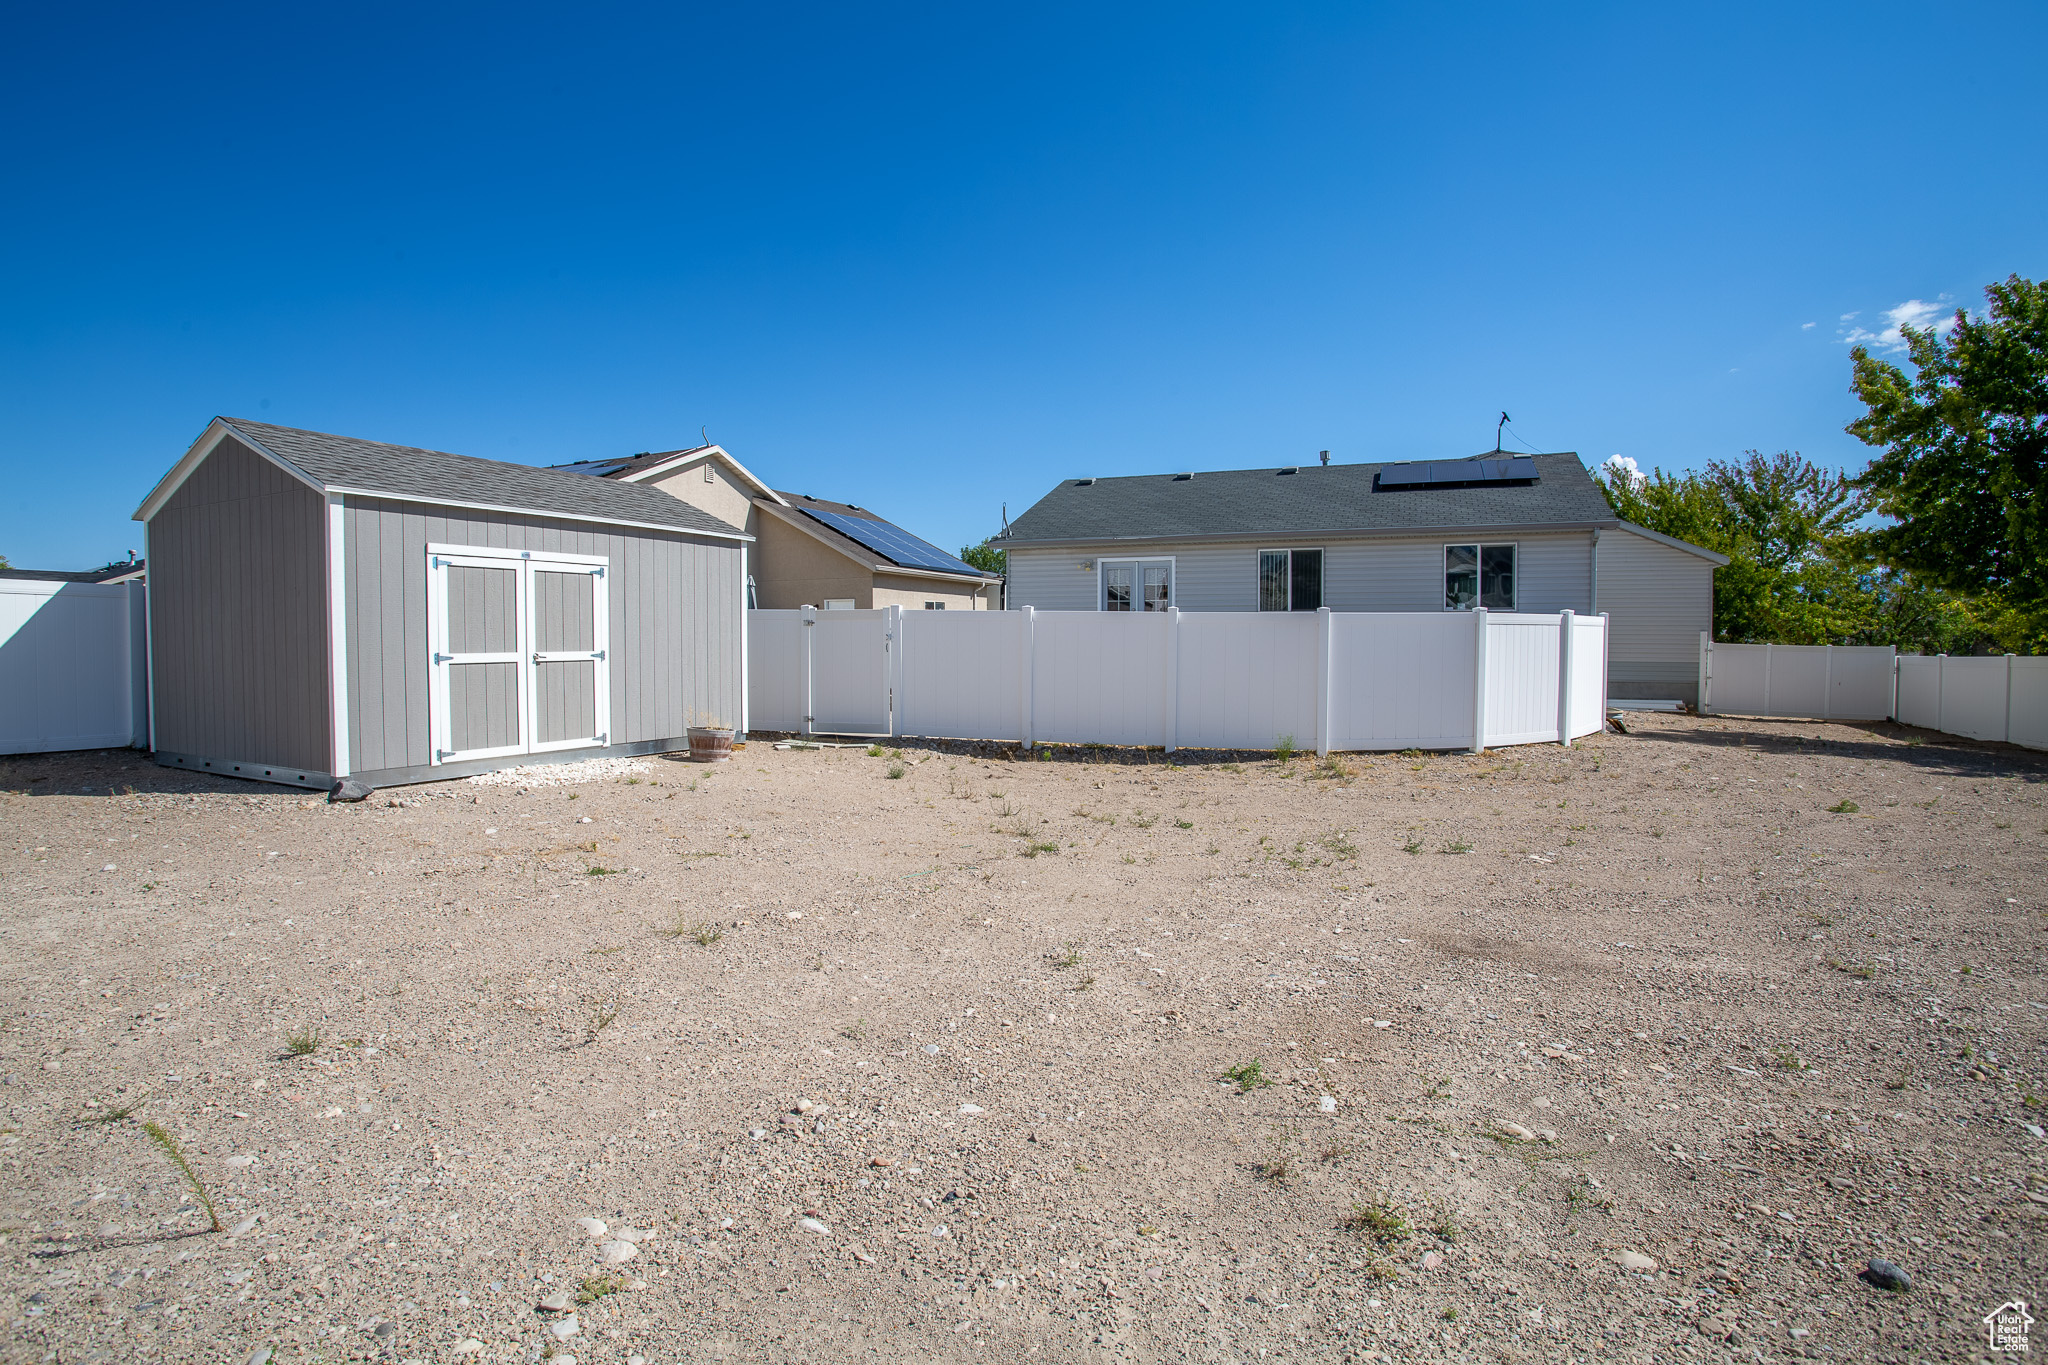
{"points": [[347, 466], [1320, 501]]}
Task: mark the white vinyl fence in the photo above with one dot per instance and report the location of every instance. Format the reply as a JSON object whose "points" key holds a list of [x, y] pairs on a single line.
{"points": [[1225, 680], [73, 666], [2002, 697]]}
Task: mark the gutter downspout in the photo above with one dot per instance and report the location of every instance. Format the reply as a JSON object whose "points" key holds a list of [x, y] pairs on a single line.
{"points": [[1593, 598]]}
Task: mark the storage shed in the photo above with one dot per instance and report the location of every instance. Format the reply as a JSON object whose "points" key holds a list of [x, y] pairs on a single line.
{"points": [[325, 608]]}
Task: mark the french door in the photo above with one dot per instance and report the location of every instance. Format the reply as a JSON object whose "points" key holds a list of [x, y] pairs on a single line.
{"points": [[518, 652]]}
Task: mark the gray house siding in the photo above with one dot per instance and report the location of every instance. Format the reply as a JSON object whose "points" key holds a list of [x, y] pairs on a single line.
{"points": [[1658, 600], [1361, 574], [674, 605], [239, 624]]}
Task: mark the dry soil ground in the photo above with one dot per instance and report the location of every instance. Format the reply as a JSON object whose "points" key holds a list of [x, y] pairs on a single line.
{"points": [[1756, 1001]]}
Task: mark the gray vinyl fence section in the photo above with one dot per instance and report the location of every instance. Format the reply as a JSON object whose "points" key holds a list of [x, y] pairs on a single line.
{"points": [[2001, 698], [239, 631], [73, 666], [675, 622]]}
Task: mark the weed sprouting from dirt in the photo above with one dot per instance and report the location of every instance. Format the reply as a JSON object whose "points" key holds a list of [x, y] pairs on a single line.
{"points": [[162, 1138], [1248, 1076], [302, 1042], [1456, 846], [597, 1286], [1070, 956], [1443, 1221], [594, 870], [110, 1114], [703, 932], [876, 751], [1340, 846], [1033, 850], [1381, 1217], [1844, 807], [896, 770], [1787, 1060], [1283, 749], [1412, 846]]}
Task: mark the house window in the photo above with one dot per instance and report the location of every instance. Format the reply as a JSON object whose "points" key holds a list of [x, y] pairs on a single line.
{"points": [[935, 606], [1137, 584], [1479, 576], [839, 604], [1290, 580]]}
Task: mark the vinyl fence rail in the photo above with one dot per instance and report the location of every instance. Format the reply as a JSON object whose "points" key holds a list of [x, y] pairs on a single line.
{"points": [[2003, 698], [74, 671], [1231, 680]]}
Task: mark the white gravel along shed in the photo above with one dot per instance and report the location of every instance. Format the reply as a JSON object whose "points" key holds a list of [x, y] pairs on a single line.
{"points": [[324, 608]]}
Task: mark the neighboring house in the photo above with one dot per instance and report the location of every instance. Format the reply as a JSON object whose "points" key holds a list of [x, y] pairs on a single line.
{"points": [[808, 551], [322, 607], [1526, 533]]}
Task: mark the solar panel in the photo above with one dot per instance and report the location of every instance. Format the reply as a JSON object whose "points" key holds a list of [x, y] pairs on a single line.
{"points": [[892, 542], [1439, 473]]}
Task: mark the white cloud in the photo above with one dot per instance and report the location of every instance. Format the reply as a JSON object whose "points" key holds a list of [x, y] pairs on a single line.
{"points": [[1915, 313], [1851, 317], [1807, 326], [1624, 469]]}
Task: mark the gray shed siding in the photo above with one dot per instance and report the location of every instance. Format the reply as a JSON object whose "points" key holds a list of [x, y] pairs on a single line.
{"points": [[1382, 573], [1658, 600], [675, 622], [237, 581]]}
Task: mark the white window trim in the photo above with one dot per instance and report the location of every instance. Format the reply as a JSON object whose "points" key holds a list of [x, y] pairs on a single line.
{"points": [[1322, 587], [1443, 570], [1172, 577]]}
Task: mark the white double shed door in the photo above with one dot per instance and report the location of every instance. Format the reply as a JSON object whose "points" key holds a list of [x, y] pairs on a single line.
{"points": [[519, 652]]}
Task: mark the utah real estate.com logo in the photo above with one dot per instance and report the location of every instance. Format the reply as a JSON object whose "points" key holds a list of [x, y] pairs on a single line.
{"points": [[2007, 1325]]}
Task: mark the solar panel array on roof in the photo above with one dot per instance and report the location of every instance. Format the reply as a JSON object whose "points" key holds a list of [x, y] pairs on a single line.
{"points": [[1440, 473], [892, 542]]}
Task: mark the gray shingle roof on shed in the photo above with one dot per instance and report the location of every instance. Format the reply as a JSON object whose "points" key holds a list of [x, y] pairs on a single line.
{"points": [[345, 463], [1315, 500]]}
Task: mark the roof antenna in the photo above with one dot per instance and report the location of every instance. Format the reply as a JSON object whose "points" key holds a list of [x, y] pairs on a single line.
{"points": [[1504, 420], [1326, 457], [1006, 518], [707, 435]]}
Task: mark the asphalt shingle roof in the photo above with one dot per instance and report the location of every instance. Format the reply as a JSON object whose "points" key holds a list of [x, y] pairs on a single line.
{"points": [[1316, 500], [437, 476]]}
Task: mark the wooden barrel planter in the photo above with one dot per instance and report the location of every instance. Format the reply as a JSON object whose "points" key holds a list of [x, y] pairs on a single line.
{"points": [[709, 744]]}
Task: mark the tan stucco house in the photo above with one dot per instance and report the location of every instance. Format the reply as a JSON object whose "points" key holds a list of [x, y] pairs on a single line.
{"points": [[810, 552]]}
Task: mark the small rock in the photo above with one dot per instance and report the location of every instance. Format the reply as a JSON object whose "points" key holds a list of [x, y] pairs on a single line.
{"points": [[1887, 1276], [636, 1360], [940, 1231], [634, 1235], [384, 1331], [53, 1065], [594, 1226], [1545, 1135], [239, 1163], [804, 1106], [259, 1356], [618, 1250], [468, 1346], [1720, 1329], [1635, 1260], [932, 1048], [970, 1109], [882, 1161], [1516, 1130], [1382, 1023], [557, 1302], [564, 1328], [108, 868], [244, 1226], [584, 821], [1431, 1260], [813, 1225], [1327, 1104], [757, 1133]]}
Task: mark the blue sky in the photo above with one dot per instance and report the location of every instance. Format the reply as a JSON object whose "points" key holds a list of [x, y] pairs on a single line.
{"points": [[932, 259]]}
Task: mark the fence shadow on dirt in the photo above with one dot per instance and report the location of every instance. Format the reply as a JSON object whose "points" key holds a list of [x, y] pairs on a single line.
{"points": [[1926, 750]]}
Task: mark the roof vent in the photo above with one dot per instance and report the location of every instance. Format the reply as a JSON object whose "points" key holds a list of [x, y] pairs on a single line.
{"points": [[1084, 483], [1291, 469], [1182, 478]]}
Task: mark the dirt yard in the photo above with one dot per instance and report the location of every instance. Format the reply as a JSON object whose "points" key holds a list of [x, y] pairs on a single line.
{"points": [[1633, 1051]]}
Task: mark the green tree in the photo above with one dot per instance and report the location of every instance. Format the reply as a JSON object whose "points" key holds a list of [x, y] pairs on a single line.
{"points": [[1963, 465], [984, 557], [1785, 524]]}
